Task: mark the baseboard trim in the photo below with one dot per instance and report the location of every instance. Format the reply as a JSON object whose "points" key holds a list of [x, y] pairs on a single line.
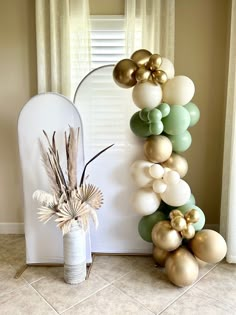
{"points": [[12, 228]]}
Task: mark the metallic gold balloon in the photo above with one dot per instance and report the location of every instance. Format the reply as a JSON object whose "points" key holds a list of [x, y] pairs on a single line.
{"points": [[209, 246], [178, 223], [141, 57], [160, 255], [164, 237], [142, 74], [175, 213], [181, 267], [192, 216], [159, 76], [177, 163], [154, 62], [124, 73], [189, 232], [157, 149]]}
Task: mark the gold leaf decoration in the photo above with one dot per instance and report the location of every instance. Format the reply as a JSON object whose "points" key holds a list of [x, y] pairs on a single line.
{"points": [[91, 195]]}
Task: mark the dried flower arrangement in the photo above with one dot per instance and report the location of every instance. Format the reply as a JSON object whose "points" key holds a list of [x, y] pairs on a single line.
{"points": [[68, 201]]}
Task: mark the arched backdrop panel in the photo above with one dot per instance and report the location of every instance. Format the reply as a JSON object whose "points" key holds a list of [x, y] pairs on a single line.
{"points": [[106, 110], [49, 112]]}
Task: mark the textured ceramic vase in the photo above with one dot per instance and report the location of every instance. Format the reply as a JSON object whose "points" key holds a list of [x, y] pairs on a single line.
{"points": [[74, 255]]}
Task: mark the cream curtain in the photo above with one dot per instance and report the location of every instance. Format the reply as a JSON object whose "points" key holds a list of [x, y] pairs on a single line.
{"points": [[56, 23], [150, 24], [228, 198]]}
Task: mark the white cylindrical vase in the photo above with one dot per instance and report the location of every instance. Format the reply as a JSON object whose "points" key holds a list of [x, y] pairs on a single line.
{"points": [[74, 254]]}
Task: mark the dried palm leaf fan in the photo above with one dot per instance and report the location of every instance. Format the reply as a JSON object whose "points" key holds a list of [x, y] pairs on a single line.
{"points": [[68, 201]]}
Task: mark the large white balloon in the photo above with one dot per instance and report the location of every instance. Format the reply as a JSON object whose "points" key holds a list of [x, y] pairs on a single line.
{"points": [[178, 91], [168, 67], [176, 194], [147, 94], [140, 173], [145, 201]]}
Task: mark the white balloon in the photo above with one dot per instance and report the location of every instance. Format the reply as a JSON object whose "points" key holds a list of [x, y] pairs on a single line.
{"points": [[156, 171], [168, 67], [140, 173], [176, 194], [171, 177], [159, 186], [178, 91], [147, 94], [145, 201]]}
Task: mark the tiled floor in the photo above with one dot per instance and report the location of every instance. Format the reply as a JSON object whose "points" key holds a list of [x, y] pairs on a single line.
{"points": [[117, 285]]}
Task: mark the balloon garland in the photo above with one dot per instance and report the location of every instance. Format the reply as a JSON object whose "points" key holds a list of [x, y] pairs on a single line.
{"points": [[170, 218]]}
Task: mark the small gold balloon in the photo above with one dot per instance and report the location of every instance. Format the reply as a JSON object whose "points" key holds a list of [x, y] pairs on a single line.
{"points": [[192, 216], [189, 232], [209, 246], [142, 74], [157, 148], [181, 267], [154, 62], [124, 73], [175, 213], [178, 223], [164, 237], [159, 76], [160, 255], [177, 163], [141, 57]]}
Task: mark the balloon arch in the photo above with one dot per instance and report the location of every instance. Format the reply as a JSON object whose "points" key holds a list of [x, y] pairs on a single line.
{"points": [[170, 218]]}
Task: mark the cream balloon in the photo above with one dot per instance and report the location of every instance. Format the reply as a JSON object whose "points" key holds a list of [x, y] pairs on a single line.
{"points": [[177, 163], [156, 171], [178, 91], [145, 201], [159, 186], [147, 95], [139, 171], [176, 194], [181, 267], [209, 246], [160, 255], [171, 177], [168, 67], [164, 237]]}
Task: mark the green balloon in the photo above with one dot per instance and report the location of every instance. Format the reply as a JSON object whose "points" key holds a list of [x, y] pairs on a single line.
{"points": [[182, 142], [154, 115], [138, 126], [194, 113], [147, 223], [143, 114], [156, 128], [201, 222], [164, 108], [187, 206], [177, 121]]}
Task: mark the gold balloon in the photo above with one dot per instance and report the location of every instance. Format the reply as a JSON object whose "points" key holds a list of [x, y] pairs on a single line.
{"points": [[209, 246], [175, 213], [178, 223], [124, 73], [142, 74], [141, 57], [154, 62], [192, 216], [200, 262], [157, 148], [160, 255], [164, 237], [159, 76], [181, 267], [177, 163], [189, 232]]}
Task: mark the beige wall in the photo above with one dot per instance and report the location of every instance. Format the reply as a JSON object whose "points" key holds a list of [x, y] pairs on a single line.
{"points": [[201, 32], [17, 85]]}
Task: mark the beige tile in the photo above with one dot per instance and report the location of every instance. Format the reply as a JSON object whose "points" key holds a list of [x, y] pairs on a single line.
{"points": [[7, 281], [110, 301], [35, 273], [230, 267], [196, 302], [13, 251], [150, 287], [111, 268], [24, 301], [61, 295], [220, 284]]}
